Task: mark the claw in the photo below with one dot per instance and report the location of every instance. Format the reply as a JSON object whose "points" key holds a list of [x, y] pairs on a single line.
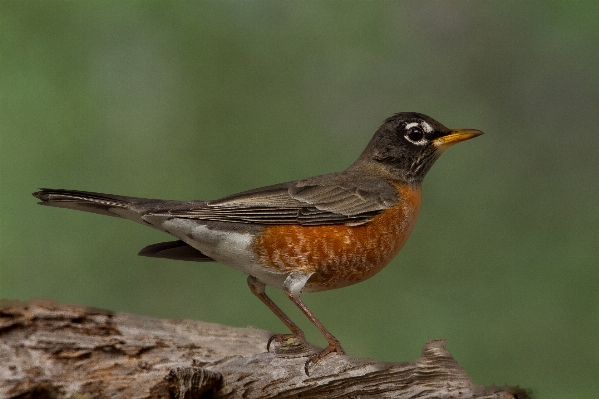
{"points": [[320, 355], [272, 338]]}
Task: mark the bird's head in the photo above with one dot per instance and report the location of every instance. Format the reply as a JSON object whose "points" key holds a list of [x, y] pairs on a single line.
{"points": [[407, 144]]}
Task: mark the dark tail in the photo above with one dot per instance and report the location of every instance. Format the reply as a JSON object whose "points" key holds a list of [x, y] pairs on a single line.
{"points": [[131, 208], [177, 250], [104, 204]]}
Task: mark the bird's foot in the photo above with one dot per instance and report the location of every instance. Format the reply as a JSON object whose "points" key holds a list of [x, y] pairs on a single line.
{"points": [[289, 341], [334, 347]]}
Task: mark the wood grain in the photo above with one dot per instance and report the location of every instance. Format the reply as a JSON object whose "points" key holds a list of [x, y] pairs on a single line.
{"points": [[66, 351]]}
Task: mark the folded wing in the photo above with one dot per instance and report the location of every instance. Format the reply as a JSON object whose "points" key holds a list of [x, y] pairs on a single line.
{"points": [[341, 198]]}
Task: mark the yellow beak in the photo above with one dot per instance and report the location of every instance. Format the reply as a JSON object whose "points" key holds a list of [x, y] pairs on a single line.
{"points": [[455, 136]]}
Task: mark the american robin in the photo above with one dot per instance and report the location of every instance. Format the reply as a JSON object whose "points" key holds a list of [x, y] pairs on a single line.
{"points": [[309, 235]]}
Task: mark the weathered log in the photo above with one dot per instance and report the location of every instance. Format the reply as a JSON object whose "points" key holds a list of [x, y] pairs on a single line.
{"points": [[64, 351]]}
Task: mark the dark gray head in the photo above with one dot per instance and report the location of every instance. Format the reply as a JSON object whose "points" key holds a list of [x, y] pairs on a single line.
{"points": [[406, 146]]}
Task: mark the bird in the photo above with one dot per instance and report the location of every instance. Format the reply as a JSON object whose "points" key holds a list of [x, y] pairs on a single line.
{"points": [[315, 234]]}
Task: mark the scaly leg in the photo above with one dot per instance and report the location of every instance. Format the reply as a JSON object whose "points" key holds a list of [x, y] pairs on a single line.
{"points": [[259, 289], [293, 286]]}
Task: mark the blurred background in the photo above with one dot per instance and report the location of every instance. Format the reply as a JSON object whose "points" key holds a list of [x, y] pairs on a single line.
{"points": [[200, 100]]}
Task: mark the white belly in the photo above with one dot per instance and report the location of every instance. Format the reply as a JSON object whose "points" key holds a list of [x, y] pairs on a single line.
{"points": [[229, 247]]}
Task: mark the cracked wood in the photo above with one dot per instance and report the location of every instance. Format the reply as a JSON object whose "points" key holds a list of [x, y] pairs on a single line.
{"points": [[64, 351]]}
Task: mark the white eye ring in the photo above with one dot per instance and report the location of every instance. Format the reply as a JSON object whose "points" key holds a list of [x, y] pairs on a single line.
{"points": [[422, 124], [414, 129]]}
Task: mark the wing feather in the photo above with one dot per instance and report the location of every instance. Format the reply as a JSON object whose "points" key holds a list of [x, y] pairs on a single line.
{"points": [[339, 198]]}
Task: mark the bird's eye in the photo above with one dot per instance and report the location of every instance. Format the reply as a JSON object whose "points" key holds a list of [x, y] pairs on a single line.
{"points": [[415, 134]]}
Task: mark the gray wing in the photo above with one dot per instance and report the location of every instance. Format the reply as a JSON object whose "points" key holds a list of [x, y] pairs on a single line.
{"points": [[340, 198]]}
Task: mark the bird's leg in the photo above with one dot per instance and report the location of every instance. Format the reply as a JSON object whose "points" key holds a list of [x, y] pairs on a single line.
{"points": [[293, 286], [258, 288]]}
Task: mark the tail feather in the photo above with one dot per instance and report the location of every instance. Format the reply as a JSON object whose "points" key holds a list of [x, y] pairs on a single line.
{"points": [[177, 250], [103, 204], [131, 208], [49, 194]]}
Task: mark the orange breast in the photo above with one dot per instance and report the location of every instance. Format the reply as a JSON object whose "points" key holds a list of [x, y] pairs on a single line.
{"points": [[340, 255]]}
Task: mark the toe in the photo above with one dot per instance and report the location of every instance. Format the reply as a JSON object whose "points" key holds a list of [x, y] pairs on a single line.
{"points": [[284, 339], [320, 355]]}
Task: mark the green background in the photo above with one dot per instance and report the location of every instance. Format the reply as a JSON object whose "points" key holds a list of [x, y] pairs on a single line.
{"points": [[191, 100]]}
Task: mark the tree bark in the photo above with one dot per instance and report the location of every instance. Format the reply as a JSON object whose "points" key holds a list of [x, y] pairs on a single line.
{"points": [[64, 351]]}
